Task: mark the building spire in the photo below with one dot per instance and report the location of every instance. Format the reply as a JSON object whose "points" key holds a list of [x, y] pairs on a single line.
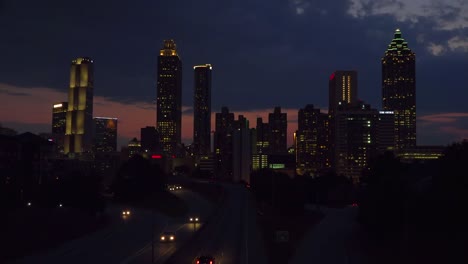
{"points": [[397, 33], [398, 43]]}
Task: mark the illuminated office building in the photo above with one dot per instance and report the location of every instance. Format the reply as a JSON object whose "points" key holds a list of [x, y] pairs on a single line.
{"points": [[278, 123], [202, 110], [386, 132], [311, 141], [342, 90], [355, 139], [105, 134], [399, 90], [262, 145], [134, 147], [169, 98], [59, 124], [79, 123]]}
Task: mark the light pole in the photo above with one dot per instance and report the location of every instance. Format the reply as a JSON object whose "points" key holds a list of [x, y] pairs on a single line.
{"points": [[152, 238]]}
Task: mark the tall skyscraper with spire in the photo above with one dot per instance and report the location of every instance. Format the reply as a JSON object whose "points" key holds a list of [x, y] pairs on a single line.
{"points": [[169, 98], [399, 90], [79, 121], [202, 110]]}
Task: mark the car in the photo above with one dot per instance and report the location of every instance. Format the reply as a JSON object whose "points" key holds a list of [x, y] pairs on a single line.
{"points": [[205, 260], [167, 236], [126, 212], [194, 219]]}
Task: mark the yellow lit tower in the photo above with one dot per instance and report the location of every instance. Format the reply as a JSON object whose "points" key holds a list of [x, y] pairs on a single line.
{"points": [[79, 121], [169, 98], [399, 90]]}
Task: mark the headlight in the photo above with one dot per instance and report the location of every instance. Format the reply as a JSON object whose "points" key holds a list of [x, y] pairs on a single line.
{"points": [[171, 238], [128, 212], [162, 238], [191, 219], [196, 219]]}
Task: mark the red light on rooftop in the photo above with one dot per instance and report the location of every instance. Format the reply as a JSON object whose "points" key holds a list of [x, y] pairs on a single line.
{"points": [[156, 156], [332, 76]]}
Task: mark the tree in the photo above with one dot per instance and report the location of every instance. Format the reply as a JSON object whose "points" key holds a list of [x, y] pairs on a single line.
{"points": [[384, 199], [137, 178]]}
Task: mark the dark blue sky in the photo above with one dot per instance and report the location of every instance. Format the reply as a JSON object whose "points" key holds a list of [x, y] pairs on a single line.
{"points": [[264, 52]]}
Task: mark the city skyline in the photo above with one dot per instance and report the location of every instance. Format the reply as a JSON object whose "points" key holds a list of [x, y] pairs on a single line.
{"points": [[439, 44]]}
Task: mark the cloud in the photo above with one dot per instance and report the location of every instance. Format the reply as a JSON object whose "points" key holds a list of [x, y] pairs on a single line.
{"points": [[436, 49], [443, 117], [458, 43], [5, 91], [445, 14], [300, 6], [455, 44], [450, 126]]}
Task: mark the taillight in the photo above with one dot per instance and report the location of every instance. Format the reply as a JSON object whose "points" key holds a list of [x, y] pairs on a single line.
{"points": [[211, 262], [198, 262]]}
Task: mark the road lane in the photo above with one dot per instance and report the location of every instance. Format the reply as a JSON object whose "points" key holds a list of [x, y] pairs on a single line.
{"points": [[337, 239], [124, 238], [231, 236]]}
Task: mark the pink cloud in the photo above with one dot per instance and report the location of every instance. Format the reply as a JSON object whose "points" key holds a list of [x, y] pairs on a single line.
{"points": [[443, 117], [458, 133]]}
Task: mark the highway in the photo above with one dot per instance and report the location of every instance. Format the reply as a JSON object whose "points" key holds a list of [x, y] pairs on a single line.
{"points": [[231, 236], [337, 239], [128, 239]]}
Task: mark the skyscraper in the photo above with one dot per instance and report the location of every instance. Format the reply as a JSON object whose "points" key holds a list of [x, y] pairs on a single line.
{"points": [[241, 150], [386, 131], [223, 143], [79, 128], [59, 123], [169, 98], [312, 155], [202, 110], [399, 90], [342, 90], [262, 143], [356, 139], [278, 123], [105, 134]]}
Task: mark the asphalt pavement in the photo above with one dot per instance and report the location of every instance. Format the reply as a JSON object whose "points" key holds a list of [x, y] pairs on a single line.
{"points": [[128, 239], [231, 236], [337, 239]]}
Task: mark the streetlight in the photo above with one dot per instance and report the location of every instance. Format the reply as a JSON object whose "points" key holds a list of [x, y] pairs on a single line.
{"points": [[152, 236]]}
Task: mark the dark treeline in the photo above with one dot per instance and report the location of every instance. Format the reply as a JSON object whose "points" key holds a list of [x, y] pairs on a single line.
{"points": [[425, 202], [70, 187], [137, 179], [289, 195]]}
